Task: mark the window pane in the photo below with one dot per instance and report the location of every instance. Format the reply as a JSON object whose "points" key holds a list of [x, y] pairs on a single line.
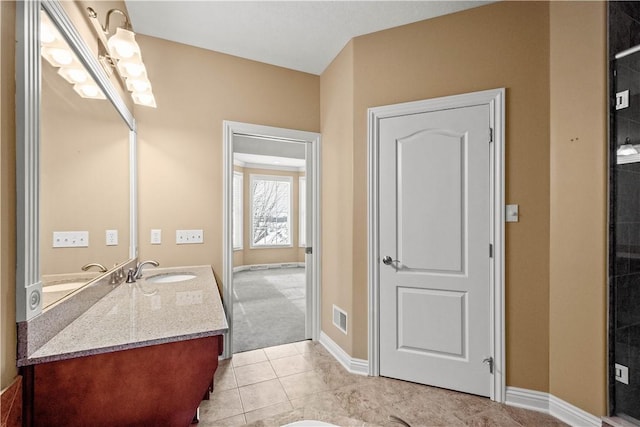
{"points": [[271, 206], [302, 222], [237, 210]]}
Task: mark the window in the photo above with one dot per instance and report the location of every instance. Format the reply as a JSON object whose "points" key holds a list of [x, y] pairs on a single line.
{"points": [[238, 179], [270, 210], [302, 222]]}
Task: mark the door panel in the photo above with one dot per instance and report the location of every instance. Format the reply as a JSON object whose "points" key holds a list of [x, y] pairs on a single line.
{"points": [[443, 319], [435, 223], [430, 163]]}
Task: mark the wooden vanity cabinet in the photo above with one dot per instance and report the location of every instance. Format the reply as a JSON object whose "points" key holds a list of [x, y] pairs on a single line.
{"points": [[158, 385]]}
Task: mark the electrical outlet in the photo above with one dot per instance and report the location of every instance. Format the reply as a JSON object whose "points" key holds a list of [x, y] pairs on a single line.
{"points": [[156, 237], [70, 239], [186, 237], [622, 373], [111, 237]]}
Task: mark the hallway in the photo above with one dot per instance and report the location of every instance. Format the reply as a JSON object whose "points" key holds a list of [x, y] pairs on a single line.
{"points": [[268, 308]]}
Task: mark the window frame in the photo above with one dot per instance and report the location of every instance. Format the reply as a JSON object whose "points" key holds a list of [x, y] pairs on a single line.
{"points": [[262, 177]]}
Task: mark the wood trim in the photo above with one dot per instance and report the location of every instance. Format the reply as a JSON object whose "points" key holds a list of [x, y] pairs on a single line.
{"points": [[11, 404]]}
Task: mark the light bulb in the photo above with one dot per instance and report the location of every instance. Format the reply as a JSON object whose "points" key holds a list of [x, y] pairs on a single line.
{"points": [[147, 99], [131, 69], [57, 56], [47, 32], [626, 150], [89, 90], [74, 75], [138, 85], [47, 35], [123, 44]]}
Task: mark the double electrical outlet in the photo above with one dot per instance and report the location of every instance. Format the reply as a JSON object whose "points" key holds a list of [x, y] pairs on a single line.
{"points": [[183, 237]]}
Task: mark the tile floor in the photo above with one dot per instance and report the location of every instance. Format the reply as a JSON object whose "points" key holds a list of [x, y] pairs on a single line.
{"points": [[279, 385]]}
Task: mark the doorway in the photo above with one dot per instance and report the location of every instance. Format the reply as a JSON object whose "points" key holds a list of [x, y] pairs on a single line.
{"points": [[271, 221], [436, 227]]}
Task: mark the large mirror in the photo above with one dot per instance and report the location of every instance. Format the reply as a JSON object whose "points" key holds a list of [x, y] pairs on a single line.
{"points": [[84, 186], [79, 173]]}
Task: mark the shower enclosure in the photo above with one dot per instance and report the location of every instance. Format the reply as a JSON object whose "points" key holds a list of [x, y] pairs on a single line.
{"points": [[624, 207], [625, 301]]}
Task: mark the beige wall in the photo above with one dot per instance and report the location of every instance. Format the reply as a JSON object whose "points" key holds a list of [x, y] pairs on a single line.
{"points": [[180, 142], [336, 101], [252, 256], [84, 176], [7, 195], [530, 48], [578, 250], [559, 349], [500, 45]]}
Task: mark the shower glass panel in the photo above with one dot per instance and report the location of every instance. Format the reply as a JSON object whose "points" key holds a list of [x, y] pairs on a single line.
{"points": [[625, 198]]}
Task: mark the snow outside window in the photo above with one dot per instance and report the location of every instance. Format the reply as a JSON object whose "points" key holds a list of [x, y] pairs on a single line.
{"points": [[237, 210], [302, 223], [270, 210]]}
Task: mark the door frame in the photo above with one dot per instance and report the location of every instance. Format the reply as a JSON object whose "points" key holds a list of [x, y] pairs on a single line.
{"points": [[495, 98], [229, 130]]}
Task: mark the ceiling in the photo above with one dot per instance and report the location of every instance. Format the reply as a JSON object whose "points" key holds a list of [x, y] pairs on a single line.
{"points": [[300, 35]]}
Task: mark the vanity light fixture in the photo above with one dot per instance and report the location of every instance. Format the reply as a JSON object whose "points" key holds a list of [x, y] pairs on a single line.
{"points": [[121, 52], [56, 51], [626, 150], [627, 153]]}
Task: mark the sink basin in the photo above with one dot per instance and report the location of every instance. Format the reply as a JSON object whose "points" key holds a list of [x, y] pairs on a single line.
{"points": [[170, 277]]}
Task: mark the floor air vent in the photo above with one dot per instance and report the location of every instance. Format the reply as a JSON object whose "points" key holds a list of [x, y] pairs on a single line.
{"points": [[340, 319]]}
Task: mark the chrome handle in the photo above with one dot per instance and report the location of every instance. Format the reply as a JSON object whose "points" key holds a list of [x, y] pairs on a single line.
{"points": [[388, 260]]}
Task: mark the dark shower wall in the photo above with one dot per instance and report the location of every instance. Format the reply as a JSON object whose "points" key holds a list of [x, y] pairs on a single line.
{"points": [[624, 334]]}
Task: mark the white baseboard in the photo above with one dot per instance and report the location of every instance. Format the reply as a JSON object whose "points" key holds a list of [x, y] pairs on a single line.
{"points": [[549, 404], [268, 266], [351, 364]]}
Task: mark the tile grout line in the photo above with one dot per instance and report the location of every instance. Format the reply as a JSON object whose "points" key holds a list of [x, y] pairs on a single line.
{"points": [[233, 370]]}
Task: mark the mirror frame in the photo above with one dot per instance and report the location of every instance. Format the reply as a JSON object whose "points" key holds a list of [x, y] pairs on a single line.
{"points": [[28, 87]]}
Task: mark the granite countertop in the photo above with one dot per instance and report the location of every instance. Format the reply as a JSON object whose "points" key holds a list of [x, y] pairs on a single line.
{"points": [[142, 314]]}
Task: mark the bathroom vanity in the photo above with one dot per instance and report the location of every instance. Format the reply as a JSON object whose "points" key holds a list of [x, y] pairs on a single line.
{"points": [[144, 354], [110, 353]]}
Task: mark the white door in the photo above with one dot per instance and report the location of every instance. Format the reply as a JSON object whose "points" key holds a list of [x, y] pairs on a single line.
{"points": [[435, 217], [307, 230]]}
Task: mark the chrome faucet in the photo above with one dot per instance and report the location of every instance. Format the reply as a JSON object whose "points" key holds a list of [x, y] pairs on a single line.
{"points": [[138, 272], [102, 268]]}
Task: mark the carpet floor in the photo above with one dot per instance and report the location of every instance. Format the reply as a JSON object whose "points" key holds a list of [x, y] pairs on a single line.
{"points": [[269, 308]]}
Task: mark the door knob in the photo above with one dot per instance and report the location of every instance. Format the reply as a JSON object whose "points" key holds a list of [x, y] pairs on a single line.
{"points": [[388, 260]]}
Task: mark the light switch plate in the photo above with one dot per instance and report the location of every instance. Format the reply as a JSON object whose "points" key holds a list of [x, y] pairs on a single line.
{"points": [[622, 373], [622, 100], [511, 213], [156, 236]]}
